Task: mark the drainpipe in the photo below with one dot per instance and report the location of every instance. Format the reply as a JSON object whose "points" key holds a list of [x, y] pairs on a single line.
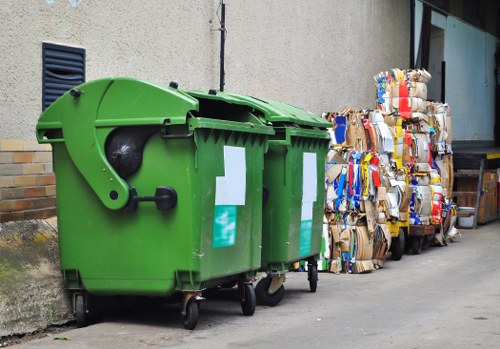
{"points": [[222, 44], [412, 34]]}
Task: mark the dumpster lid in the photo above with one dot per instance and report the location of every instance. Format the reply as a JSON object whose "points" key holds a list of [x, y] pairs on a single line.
{"points": [[273, 111], [119, 102]]}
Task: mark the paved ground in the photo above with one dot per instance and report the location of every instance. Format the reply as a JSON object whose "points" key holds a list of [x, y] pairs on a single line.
{"points": [[447, 297]]}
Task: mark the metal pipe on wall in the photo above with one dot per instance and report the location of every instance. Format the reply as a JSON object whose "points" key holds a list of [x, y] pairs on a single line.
{"points": [[412, 34], [222, 44]]}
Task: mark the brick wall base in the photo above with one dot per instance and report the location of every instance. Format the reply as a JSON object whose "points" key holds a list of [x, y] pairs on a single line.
{"points": [[27, 182]]}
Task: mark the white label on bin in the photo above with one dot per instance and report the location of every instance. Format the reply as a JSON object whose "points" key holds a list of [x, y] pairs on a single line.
{"points": [[230, 192], [231, 189], [309, 195], [309, 178]]}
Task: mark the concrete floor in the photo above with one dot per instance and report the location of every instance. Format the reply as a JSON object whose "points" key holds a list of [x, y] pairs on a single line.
{"points": [[447, 297]]}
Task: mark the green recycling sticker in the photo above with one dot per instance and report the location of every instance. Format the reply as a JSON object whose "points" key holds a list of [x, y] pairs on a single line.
{"points": [[305, 237], [224, 230]]}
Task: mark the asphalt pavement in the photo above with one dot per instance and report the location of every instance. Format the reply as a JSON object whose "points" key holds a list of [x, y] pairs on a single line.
{"points": [[447, 297]]}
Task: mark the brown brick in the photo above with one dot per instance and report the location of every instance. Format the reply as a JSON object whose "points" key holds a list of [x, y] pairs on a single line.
{"points": [[6, 181], [6, 205], [23, 157], [48, 168], [22, 204], [6, 157], [43, 156], [43, 202], [15, 205], [39, 214], [27, 204], [11, 216], [34, 192], [11, 193], [50, 190], [11, 169], [47, 179], [25, 181], [35, 146], [11, 145], [33, 168]]}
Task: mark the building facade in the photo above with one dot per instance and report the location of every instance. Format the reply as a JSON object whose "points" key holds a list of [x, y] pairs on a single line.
{"points": [[457, 42], [319, 55]]}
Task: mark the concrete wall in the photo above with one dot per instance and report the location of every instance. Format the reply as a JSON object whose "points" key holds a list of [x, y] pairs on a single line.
{"points": [[152, 39], [31, 286], [318, 54]]}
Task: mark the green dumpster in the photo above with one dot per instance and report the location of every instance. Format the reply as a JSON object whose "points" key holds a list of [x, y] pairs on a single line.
{"points": [[294, 185], [154, 197]]}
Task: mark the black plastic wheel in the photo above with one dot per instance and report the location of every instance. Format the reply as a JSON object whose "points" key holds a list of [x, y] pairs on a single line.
{"points": [[312, 276], [398, 246], [417, 243], [264, 297], [248, 304], [229, 284], [190, 320], [81, 311], [407, 245], [427, 242]]}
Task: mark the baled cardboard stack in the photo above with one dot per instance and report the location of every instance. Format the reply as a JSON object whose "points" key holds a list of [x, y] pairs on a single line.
{"points": [[390, 164], [358, 185], [427, 153]]}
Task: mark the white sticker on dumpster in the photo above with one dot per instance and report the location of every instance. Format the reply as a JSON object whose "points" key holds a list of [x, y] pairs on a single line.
{"points": [[230, 192], [231, 189], [309, 195]]}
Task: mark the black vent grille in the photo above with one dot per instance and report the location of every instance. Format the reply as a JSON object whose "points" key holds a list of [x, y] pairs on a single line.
{"points": [[63, 69]]}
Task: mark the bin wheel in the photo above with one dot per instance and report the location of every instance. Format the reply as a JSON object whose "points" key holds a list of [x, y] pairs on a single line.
{"points": [[266, 298], [312, 276], [81, 312], [407, 245], [249, 301], [427, 242], [417, 243], [229, 284], [190, 319], [398, 246]]}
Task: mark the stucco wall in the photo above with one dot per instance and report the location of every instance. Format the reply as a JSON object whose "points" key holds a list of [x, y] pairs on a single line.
{"points": [[320, 55]]}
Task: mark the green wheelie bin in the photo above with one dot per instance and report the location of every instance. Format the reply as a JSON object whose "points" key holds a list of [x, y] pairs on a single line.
{"points": [[294, 175], [154, 198], [294, 172]]}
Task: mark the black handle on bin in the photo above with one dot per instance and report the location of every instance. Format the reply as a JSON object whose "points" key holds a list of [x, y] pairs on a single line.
{"points": [[165, 199], [164, 135], [265, 194], [76, 93]]}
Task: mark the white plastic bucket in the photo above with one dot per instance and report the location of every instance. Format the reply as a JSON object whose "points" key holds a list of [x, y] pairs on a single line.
{"points": [[466, 217]]}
